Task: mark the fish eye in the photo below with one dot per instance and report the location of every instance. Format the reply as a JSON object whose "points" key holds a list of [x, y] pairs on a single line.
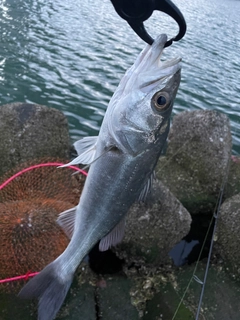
{"points": [[161, 101]]}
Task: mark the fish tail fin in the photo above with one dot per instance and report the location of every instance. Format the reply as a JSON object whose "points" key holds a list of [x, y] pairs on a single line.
{"points": [[49, 289]]}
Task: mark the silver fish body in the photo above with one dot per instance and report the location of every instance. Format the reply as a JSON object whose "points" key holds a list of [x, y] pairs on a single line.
{"points": [[122, 157]]}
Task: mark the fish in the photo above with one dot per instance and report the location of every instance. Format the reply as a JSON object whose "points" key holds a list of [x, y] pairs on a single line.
{"points": [[121, 162]]}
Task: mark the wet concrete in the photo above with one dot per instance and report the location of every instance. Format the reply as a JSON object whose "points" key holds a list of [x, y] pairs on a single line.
{"points": [[139, 293]]}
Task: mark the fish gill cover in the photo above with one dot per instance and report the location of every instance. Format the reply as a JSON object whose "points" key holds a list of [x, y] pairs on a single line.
{"points": [[31, 197]]}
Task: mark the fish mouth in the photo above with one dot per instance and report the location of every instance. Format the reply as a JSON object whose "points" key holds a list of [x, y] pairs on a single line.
{"points": [[168, 70], [150, 70]]}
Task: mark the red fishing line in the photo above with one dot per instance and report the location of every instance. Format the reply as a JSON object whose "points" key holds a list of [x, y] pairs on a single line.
{"points": [[22, 277]]}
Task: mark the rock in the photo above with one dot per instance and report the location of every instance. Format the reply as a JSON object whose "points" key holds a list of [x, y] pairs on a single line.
{"points": [[164, 304], [157, 295], [114, 300], [221, 295], [12, 307], [153, 229], [196, 160], [228, 231], [232, 186], [31, 131], [80, 301]]}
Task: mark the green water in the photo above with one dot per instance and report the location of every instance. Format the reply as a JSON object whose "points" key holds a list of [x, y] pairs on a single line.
{"points": [[71, 54]]}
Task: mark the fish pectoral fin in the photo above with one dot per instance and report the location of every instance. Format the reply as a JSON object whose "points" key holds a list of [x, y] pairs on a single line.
{"points": [[86, 149], [147, 188], [113, 237], [85, 144], [66, 221]]}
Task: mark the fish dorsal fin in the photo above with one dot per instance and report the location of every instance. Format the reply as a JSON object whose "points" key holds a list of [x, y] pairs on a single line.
{"points": [[86, 149], [147, 188], [66, 220], [113, 237]]}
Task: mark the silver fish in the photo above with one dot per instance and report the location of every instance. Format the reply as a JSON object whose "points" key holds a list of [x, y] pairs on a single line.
{"points": [[122, 159]]}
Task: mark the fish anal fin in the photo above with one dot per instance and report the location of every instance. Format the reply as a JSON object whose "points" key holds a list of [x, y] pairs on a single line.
{"points": [[66, 220], [114, 237]]}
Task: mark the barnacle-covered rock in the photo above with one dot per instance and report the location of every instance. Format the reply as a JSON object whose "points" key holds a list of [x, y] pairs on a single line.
{"points": [[197, 158], [31, 131], [153, 229]]}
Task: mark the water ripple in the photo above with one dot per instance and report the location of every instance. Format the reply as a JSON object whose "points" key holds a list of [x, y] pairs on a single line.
{"points": [[71, 55]]}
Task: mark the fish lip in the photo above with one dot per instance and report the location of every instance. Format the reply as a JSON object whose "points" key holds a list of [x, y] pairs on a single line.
{"points": [[174, 82], [160, 42], [175, 64], [148, 72], [150, 67]]}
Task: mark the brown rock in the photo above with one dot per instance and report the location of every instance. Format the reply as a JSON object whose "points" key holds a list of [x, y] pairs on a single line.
{"points": [[197, 158], [153, 229], [228, 233], [31, 131]]}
